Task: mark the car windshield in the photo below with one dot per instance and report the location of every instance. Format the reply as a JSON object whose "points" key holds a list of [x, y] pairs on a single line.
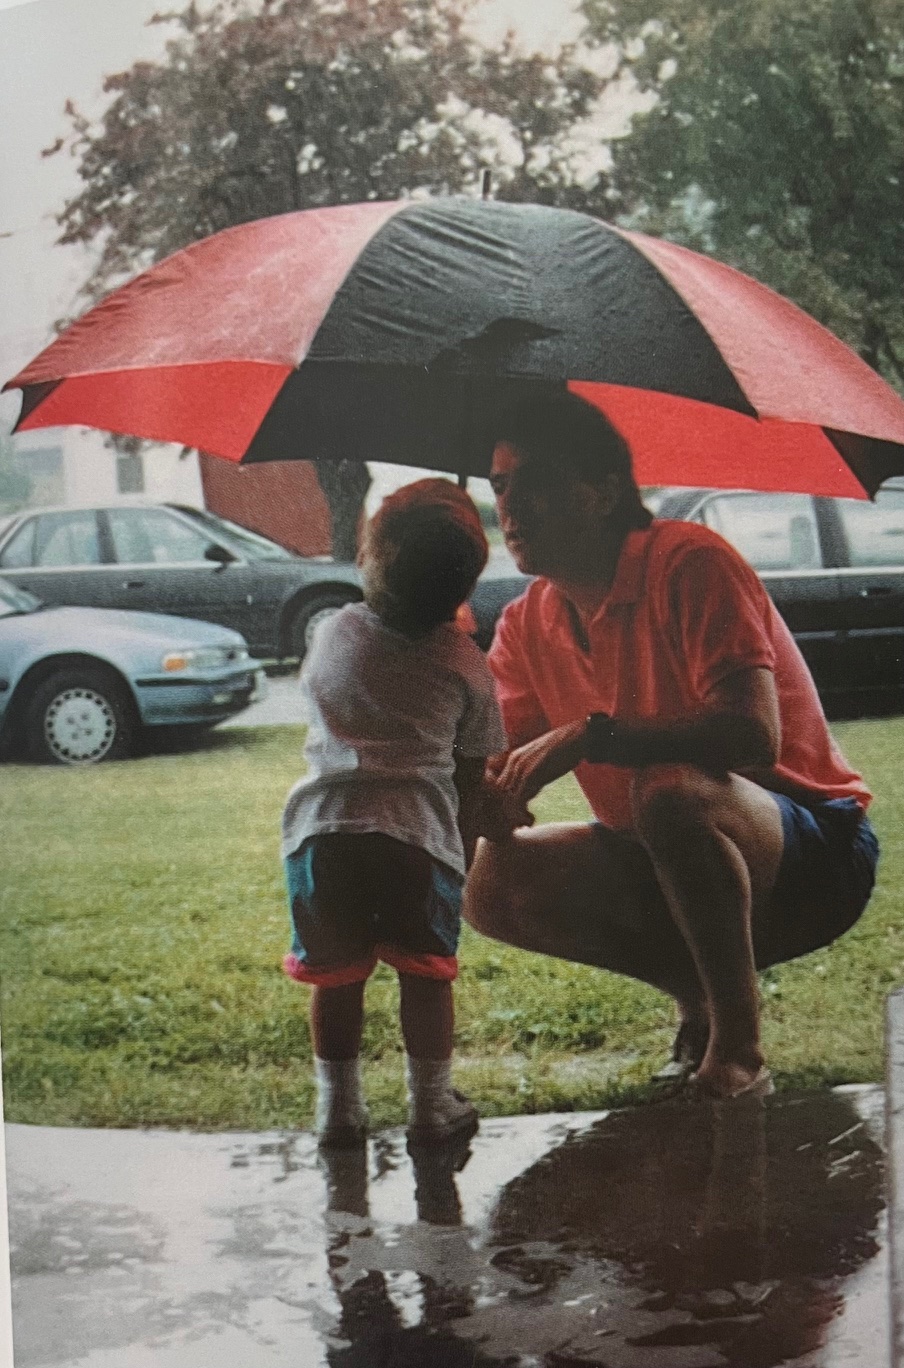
{"points": [[13, 600], [249, 544]]}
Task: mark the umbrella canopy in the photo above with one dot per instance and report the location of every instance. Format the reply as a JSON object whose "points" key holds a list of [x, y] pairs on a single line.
{"points": [[385, 331]]}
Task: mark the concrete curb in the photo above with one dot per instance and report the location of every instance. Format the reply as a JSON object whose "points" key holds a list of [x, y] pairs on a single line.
{"points": [[894, 1144]]}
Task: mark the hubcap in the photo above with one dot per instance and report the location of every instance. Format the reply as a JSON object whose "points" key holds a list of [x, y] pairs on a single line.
{"points": [[79, 727]]}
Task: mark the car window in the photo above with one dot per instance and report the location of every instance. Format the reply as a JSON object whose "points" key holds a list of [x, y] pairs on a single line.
{"points": [[152, 536], [874, 531], [249, 544], [18, 553], [67, 539], [771, 531]]}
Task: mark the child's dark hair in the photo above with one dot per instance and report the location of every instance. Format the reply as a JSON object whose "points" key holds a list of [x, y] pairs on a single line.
{"points": [[562, 430], [424, 549]]}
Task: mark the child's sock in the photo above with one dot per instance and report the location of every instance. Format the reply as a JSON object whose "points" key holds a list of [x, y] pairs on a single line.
{"points": [[341, 1114], [435, 1108]]}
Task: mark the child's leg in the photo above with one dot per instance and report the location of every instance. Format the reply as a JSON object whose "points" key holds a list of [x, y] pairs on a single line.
{"points": [[427, 1016], [337, 1015], [337, 1018], [436, 1111], [332, 950]]}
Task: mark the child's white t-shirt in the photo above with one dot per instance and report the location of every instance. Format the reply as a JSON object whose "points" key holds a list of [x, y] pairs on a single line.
{"points": [[387, 718]]}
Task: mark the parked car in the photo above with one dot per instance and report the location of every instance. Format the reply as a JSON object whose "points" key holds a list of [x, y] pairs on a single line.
{"points": [[833, 567], [78, 684], [167, 558]]}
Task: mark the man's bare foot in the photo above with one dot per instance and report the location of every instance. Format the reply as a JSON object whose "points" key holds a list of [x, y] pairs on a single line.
{"points": [[726, 1080]]}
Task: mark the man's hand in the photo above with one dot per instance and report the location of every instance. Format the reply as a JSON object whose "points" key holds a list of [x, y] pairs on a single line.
{"points": [[522, 773], [501, 814]]}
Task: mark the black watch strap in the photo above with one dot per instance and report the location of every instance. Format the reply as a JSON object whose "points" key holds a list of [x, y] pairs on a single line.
{"points": [[598, 737]]}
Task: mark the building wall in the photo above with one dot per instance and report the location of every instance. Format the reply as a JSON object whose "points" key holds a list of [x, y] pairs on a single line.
{"points": [[280, 499], [77, 466]]}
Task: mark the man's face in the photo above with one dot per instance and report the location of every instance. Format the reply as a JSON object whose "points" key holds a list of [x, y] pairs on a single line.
{"points": [[544, 514]]}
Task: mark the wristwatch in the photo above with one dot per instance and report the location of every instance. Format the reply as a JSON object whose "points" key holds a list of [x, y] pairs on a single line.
{"points": [[599, 734]]}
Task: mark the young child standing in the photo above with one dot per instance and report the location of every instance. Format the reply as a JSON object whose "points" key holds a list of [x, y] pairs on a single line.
{"points": [[377, 835]]}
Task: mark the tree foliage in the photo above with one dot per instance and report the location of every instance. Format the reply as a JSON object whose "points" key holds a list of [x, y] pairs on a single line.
{"points": [[290, 104], [776, 142], [301, 103]]}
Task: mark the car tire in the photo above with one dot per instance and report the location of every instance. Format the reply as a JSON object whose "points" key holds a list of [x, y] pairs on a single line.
{"points": [[312, 611], [79, 716]]}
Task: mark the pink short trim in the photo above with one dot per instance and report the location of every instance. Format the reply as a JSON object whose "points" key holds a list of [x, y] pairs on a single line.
{"points": [[337, 977], [443, 967]]}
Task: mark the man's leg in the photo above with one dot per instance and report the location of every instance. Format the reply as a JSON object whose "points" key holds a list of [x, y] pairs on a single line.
{"points": [[715, 843], [587, 894], [675, 912]]}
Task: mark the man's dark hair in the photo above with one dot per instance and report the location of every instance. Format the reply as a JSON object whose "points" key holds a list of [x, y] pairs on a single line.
{"points": [[563, 432], [427, 547]]}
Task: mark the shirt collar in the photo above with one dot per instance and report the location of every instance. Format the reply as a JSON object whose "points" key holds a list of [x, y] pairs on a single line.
{"points": [[629, 572]]}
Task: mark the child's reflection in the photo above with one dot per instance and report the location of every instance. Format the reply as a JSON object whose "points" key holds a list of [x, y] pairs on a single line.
{"points": [[398, 1315]]}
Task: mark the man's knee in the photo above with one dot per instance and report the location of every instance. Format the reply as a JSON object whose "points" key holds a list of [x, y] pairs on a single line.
{"points": [[495, 902], [667, 800], [538, 889]]}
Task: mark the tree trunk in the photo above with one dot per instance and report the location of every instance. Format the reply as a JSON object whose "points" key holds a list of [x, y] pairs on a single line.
{"points": [[345, 485]]}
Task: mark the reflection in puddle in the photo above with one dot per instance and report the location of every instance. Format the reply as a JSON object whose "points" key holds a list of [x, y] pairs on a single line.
{"points": [[724, 1233], [667, 1236]]}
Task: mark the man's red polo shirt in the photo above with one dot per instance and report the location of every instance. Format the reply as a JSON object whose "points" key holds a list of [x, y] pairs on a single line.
{"points": [[685, 610]]}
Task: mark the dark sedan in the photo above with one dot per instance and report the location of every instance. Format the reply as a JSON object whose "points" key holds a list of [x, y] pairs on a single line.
{"points": [[166, 558], [834, 568]]}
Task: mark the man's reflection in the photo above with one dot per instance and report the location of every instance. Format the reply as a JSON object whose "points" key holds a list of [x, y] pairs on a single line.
{"points": [[736, 1220]]}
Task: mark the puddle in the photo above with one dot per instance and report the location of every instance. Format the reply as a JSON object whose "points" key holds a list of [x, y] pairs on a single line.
{"points": [[665, 1236]]}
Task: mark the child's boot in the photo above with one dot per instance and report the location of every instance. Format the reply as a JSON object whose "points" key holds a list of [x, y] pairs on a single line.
{"points": [[437, 1112], [341, 1116]]}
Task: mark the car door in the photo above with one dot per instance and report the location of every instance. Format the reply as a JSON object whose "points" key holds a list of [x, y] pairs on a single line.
{"points": [[780, 535], [61, 557], [163, 567], [872, 577]]}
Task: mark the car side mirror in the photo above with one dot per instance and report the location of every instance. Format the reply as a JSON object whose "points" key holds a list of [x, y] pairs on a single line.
{"points": [[220, 555]]}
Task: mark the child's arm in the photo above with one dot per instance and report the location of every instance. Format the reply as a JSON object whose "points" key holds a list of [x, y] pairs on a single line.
{"points": [[482, 810]]}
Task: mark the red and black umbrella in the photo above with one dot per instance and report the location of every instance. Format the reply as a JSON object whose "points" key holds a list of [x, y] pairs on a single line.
{"points": [[383, 331]]}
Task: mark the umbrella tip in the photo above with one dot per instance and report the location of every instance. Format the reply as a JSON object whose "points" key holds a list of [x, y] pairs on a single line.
{"points": [[486, 183]]}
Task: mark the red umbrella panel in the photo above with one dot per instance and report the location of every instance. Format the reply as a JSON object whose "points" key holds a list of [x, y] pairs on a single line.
{"points": [[385, 331]]}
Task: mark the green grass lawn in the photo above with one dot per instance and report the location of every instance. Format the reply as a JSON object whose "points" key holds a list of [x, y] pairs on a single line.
{"points": [[143, 925]]}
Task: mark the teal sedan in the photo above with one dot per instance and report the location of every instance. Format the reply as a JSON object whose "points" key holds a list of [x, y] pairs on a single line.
{"points": [[81, 685]]}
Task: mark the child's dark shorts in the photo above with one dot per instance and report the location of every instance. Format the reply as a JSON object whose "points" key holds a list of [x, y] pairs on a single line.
{"points": [[359, 897], [825, 878]]}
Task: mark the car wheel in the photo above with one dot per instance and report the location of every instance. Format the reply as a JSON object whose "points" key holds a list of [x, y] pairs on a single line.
{"points": [[79, 716], [312, 611]]}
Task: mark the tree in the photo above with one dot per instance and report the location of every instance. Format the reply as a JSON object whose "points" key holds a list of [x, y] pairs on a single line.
{"points": [[299, 103], [776, 141]]}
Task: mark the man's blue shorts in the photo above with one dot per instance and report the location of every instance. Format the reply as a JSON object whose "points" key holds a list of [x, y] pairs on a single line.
{"points": [[826, 876], [356, 898]]}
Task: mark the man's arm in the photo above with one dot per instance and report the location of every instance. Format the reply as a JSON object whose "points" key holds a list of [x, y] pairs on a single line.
{"points": [[738, 728]]}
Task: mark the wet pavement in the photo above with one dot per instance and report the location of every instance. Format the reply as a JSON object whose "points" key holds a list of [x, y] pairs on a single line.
{"points": [[666, 1236]]}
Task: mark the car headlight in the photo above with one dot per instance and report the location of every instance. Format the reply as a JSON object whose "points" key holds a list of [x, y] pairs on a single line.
{"points": [[204, 658]]}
